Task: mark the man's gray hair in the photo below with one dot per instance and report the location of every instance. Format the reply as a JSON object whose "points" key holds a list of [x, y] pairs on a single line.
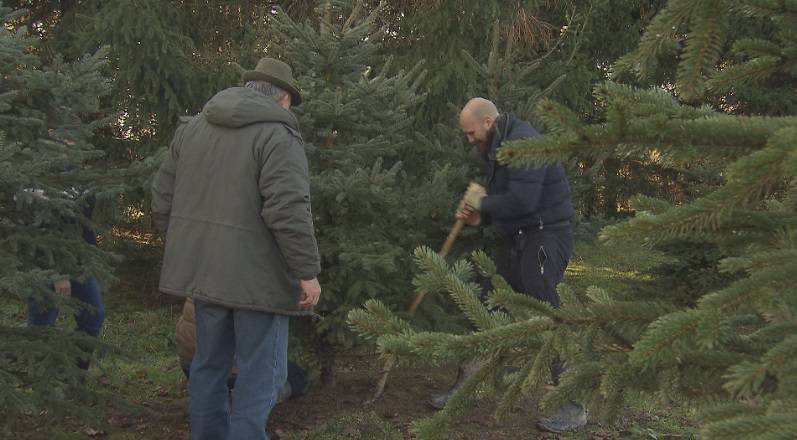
{"points": [[267, 89]]}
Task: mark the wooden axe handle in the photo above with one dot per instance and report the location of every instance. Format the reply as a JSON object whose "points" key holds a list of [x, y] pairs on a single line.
{"points": [[452, 236]]}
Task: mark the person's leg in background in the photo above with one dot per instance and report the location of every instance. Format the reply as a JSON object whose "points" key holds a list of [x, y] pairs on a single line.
{"points": [[542, 267], [544, 262], [88, 319], [41, 313], [209, 406], [261, 346], [508, 267], [295, 385]]}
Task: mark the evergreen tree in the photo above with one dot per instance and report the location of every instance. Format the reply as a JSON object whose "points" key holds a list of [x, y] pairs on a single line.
{"points": [[49, 170], [730, 352], [427, 31], [166, 57], [562, 49], [165, 60], [377, 189]]}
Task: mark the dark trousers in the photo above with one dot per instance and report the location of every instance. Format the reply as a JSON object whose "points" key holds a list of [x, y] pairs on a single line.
{"points": [[88, 319], [533, 262]]}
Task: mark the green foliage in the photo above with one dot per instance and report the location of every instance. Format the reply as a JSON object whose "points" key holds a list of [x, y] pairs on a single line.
{"points": [[716, 324], [377, 187], [730, 348], [693, 269], [514, 53], [581, 38], [517, 339], [746, 217], [48, 175], [506, 78]]}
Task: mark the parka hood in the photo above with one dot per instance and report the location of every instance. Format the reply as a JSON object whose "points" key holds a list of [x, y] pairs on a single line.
{"points": [[240, 106]]}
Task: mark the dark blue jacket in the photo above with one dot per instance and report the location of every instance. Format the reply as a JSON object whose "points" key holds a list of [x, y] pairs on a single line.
{"points": [[522, 197]]}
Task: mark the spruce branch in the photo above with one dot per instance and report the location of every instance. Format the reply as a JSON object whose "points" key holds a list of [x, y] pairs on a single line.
{"points": [[376, 319], [466, 296], [703, 46], [536, 377], [661, 33], [518, 305], [749, 179], [559, 119], [515, 390], [752, 427], [664, 337], [438, 347], [727, 410], [755, 71], [579, 383], [437, 425]]}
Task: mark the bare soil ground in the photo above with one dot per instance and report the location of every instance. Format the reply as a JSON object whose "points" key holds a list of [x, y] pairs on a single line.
{"points": [[163, 414]]}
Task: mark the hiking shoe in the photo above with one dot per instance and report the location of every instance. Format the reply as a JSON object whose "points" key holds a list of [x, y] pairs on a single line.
{"points": [[439, 401], [569, 417], [284, 393]]}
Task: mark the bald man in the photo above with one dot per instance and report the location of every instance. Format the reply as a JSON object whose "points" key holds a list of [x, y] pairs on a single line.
{"points": [[530, 208]]}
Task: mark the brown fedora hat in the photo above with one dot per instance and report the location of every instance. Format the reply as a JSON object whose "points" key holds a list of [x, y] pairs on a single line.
{"points": [[276, 72]]}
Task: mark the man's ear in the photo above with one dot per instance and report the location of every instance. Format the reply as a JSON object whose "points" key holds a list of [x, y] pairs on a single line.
{"points": [[285, 102]]}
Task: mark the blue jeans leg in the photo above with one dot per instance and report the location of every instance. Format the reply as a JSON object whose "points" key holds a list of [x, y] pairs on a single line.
{"points": [[259, 341], [87, 319], [209, 407], [262, 356], [41, 314]]}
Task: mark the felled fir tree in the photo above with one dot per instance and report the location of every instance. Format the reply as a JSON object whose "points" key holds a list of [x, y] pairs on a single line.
{"points": [[733, 354], [357, 118], [48, 114]]}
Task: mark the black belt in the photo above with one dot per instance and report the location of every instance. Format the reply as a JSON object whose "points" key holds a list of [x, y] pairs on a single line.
{"points": [[555, 226]]}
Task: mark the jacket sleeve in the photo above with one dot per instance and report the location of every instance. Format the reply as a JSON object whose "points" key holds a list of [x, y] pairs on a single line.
{"points": [[285, 187], [522, 197], [163, 184]]}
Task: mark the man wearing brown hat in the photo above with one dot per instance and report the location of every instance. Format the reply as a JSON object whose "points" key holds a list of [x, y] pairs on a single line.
{"points": [[232, 203]]}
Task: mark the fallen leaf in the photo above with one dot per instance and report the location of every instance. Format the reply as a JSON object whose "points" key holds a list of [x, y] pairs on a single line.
{"points": [[91, 432]]}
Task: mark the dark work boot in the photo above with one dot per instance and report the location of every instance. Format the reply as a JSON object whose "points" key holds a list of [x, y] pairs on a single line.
{"points": [[439, 401], [569, 417]]}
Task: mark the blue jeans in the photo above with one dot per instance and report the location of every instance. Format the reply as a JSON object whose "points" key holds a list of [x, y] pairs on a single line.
{"points": [[88, 319], [259, 342]]}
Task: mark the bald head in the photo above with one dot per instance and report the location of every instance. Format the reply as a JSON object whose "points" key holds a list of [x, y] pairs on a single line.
{"points": [[479, 108], [476, 120]]}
